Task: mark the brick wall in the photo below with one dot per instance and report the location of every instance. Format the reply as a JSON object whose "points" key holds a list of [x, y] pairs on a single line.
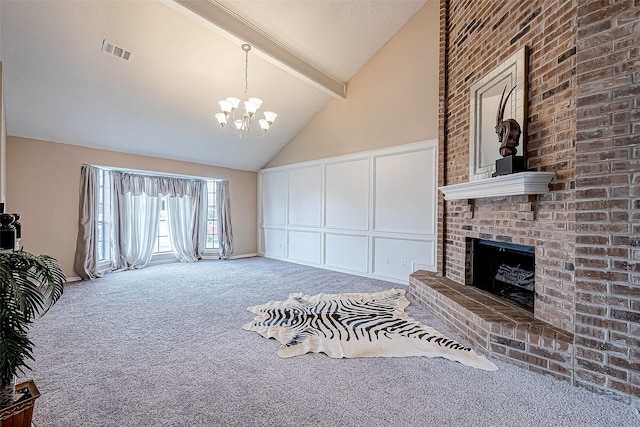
{"points": [[584, 124], [482, 34], [607, 332]]}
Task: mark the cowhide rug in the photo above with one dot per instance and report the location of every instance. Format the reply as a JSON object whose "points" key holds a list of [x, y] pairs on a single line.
{"points": [[355, 325]]}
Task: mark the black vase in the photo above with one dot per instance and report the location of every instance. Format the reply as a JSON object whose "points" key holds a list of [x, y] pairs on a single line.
{"points": [[7, 231], [17, 225]]}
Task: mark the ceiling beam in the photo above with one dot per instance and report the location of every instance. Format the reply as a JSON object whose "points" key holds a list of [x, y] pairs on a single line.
{"points": [[229, 21]]}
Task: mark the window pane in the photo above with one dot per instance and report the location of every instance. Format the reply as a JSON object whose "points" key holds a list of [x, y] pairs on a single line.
{"points": [[163, 228], [164, 245]]}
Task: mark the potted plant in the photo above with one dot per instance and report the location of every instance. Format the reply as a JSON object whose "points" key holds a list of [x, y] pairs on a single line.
{"points": [[29, 285]]}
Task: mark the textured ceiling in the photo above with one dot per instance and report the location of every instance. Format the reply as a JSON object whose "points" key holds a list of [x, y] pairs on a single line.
{"points": [[60, 87]]}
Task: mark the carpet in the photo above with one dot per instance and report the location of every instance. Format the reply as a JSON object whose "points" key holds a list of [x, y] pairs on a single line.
{"points": [[351, 325]]}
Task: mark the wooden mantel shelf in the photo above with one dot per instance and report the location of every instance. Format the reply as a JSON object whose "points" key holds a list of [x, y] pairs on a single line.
{"points": [[521, 183]]}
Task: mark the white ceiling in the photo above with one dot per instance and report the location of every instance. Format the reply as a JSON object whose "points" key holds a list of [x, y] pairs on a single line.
{"points": [[59, 86]]}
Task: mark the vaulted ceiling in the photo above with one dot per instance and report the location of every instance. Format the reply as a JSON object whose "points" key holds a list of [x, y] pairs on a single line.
{"points": [[185, 56]]}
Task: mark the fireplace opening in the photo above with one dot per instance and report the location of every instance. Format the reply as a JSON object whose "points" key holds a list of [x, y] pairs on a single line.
{"points": [[505, 269]]}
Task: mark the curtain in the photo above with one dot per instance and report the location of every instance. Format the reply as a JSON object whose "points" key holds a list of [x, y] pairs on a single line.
{"points": [[86, 258], [225, 234], [135, 217], [187, 220], [135, 202]]}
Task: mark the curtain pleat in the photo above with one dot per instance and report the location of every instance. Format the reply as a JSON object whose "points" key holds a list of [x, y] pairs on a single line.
{"points": [[135, 229], [187, 222], [155, 186], [225, 233], [141, 228], [86, 258]]}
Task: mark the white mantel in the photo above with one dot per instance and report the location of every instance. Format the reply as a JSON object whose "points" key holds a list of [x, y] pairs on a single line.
{"points": [[515, 184]]}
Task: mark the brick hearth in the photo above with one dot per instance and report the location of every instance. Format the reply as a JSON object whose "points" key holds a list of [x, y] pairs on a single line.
{"points": [[496, 327]]}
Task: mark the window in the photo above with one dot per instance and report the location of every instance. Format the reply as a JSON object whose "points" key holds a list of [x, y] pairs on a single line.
{"points": [[162, 243], [104, 216], [212, 216]]}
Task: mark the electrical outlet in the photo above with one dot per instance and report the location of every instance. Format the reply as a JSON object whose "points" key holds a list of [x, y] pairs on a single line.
{"points": [[403, 263]]}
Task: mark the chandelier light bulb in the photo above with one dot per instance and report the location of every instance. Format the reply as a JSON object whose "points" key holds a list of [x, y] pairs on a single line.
{"points": [[270, 117], [222, 119], [225, 106], [250, 107], [264, 125], [256, 101], [234, 102]]}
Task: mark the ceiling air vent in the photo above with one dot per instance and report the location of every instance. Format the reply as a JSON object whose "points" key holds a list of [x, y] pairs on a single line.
{"points": [[113, 49]]}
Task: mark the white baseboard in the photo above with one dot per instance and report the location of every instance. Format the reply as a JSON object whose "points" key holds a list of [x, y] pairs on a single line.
{"points": [[341, 270]]}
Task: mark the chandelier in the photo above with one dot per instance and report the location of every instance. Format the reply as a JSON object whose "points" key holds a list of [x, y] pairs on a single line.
{"points": [[243, 121]]}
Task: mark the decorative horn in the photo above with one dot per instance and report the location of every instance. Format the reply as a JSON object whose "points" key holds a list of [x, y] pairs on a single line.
{"points": [[500, 111], [503, 106]]}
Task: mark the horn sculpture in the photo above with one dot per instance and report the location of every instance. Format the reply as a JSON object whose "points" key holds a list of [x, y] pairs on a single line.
{"points": [[508, 130]]}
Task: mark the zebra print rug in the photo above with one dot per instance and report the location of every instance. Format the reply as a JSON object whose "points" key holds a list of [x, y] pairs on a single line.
{"points": [[355, 325]]}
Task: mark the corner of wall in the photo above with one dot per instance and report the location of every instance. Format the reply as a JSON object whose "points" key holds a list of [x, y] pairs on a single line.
{"points": [[404, 70]]}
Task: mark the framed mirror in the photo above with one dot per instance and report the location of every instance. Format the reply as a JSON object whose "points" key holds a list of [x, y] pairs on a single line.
{"points": [[484, 99]]}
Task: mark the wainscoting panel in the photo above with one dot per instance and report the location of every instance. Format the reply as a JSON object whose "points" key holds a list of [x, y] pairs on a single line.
{"points": [[347, 195], [405, 195], [273, 194], [305, 246], [397, 258], [347, 252], [305, 196], [273, 242], [370, 213]]}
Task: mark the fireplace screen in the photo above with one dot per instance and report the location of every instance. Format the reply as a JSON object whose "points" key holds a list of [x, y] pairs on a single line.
{"points": [[505, 269]]}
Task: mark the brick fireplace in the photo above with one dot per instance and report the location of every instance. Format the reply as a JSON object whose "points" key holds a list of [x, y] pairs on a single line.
{"points": [[583, 125]]}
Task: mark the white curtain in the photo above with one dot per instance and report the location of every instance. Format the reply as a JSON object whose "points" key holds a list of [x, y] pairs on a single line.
{"points": [[86, 259], [225, 233], [137, 199], [187, 220], [135, 224]]}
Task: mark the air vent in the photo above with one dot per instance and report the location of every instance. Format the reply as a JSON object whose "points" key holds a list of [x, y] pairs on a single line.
{"points": [[113, 49]]}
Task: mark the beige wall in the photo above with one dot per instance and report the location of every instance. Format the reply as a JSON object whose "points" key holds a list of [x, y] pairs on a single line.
{"points": [[392, 100], [43, 186]]}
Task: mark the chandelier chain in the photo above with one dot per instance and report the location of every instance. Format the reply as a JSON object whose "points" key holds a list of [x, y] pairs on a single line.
{"points": [[246, 70]]}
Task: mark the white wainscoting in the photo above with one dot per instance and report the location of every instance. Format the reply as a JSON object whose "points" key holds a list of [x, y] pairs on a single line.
{"points": [[305, 196], [371, 214], [305, 246], [345, 252], [347, 194]]}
